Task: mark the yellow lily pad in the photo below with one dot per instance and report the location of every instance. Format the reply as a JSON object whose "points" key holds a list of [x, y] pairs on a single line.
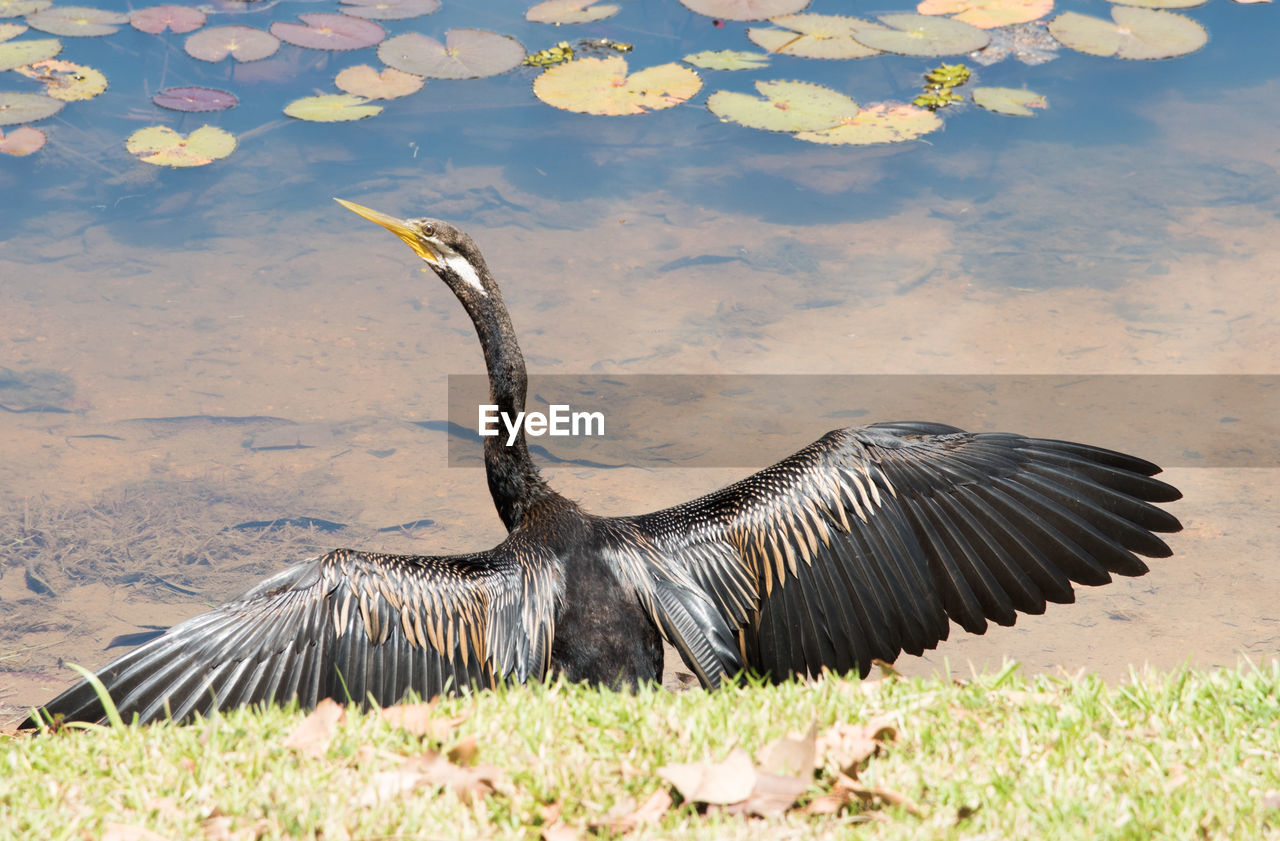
{"points": [[14, 54], [991, 14], [813, 36], [602, 86], [363, 80], [785, 106], [887, 122], [162, 146], [1168, 4], [570, 11], [1015, 102], [11, 30], [1136, 34], [21, 8], [331, 108], [66, 81], [77, 21]]}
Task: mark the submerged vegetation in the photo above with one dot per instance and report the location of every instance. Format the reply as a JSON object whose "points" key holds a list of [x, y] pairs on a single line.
{"points": [[1183, 754]]}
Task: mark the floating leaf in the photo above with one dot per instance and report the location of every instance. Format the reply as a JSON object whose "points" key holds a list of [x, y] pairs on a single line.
{"points": [[602, 86], [744, 9], [66, 81], [17, 53], [787, 106], [1015, 102], [888, 122], [162, 146], [331, 108], [1172, 4], [922, 35], [195, 99], [157, 19], [243, 42], [20, 8], [390, 9], [319, 31], [989, 14], [26, 107], [1136, 33], [727, 60], [11, 30], [21, 141], [570, 11], [814, 36], [465, 54], [77, 21], [363, 80]]}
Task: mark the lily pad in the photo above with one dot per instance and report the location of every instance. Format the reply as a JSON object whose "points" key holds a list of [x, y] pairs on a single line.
{"points": [[363, 80], [989, 14], [26, 107], [195, 99], [21, 8], [77, 21], [922, 35], [814, 36], [887, 122], [390, 9], [331, 108], [17, 53], [319, 31], [66, 81], [465, 54], [11, 30], [1136, 33], [1166, 4], [1015, 102], [162, 146], [786, 106], [243, 42], [177, 19], [727, 60], [602, 86], [744, 9], [570, 11], [22, 141]]}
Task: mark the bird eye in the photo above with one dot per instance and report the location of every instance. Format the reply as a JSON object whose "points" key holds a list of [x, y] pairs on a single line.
{"points": [[428, 230]]}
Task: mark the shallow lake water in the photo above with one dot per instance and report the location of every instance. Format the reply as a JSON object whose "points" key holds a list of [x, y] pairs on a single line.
{"points": [[205, 371]]}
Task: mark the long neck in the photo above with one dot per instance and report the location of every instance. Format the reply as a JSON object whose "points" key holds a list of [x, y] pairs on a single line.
{"points": [[514, 481]]}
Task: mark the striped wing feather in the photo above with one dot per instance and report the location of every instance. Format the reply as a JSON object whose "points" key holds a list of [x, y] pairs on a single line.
{"points": [[348, 625], [866, 543]]}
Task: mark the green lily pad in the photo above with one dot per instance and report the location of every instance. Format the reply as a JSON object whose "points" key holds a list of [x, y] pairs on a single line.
{"points": [[990, 14], [570, 11], [1136, 33], [786, 106], [331, 108], [21, 8], [887, 122], [1016, 102], [390, 9], [465, 54], [177, 19], [319, 31], [162, 146], [363, 80], [21, 141], [727, 60], [602, 86], [65, 80], [814, 36], [11, 30], [26, 107], [77, 21], [744, 9], [17, 53], [922, 35], [243, 42]]}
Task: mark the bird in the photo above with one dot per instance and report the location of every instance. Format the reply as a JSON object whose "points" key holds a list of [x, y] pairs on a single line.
{"points": [[870, 542]]}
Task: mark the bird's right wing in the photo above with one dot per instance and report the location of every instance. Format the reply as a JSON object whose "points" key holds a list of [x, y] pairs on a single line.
{"points": [[349, 625]]}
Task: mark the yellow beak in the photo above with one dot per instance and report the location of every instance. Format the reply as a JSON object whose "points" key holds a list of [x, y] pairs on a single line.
{"points": [[399, 227]]}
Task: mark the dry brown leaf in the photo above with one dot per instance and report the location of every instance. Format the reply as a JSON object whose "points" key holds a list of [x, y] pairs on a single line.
{"points": [[464, 752], [730, 781], [222, 828], [419, 720], [790, 756], [626, 816], [561, 832], [869, 794], [773, 794], [314, 733], [431, 770], [130, 832]]}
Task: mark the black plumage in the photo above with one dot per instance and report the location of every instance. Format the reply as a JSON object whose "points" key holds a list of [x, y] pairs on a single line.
{"points": [[867, 543]]}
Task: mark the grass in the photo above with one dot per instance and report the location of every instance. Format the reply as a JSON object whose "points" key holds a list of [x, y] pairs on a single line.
{"points": [[1185, 754]]}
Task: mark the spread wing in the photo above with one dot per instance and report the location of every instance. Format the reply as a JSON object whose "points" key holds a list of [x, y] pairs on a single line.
{"points": [[867, 542], [348, 625]]}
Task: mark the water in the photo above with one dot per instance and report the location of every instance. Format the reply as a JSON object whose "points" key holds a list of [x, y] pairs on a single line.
{"points": [[178, 316]]}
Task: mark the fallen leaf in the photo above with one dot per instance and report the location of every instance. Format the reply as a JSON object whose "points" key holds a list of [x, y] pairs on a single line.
{"points": [[431, 770], [561, 832], [869, 794], [130, 832], [419, 720], [314, 733], [728, 781], [626, 816], [790, 756]]}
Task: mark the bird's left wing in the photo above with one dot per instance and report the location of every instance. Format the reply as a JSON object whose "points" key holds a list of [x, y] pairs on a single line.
{"points": [[348, 625]]}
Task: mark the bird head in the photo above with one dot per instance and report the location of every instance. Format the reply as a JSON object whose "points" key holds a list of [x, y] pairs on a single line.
{"points": [[448, 251]]}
